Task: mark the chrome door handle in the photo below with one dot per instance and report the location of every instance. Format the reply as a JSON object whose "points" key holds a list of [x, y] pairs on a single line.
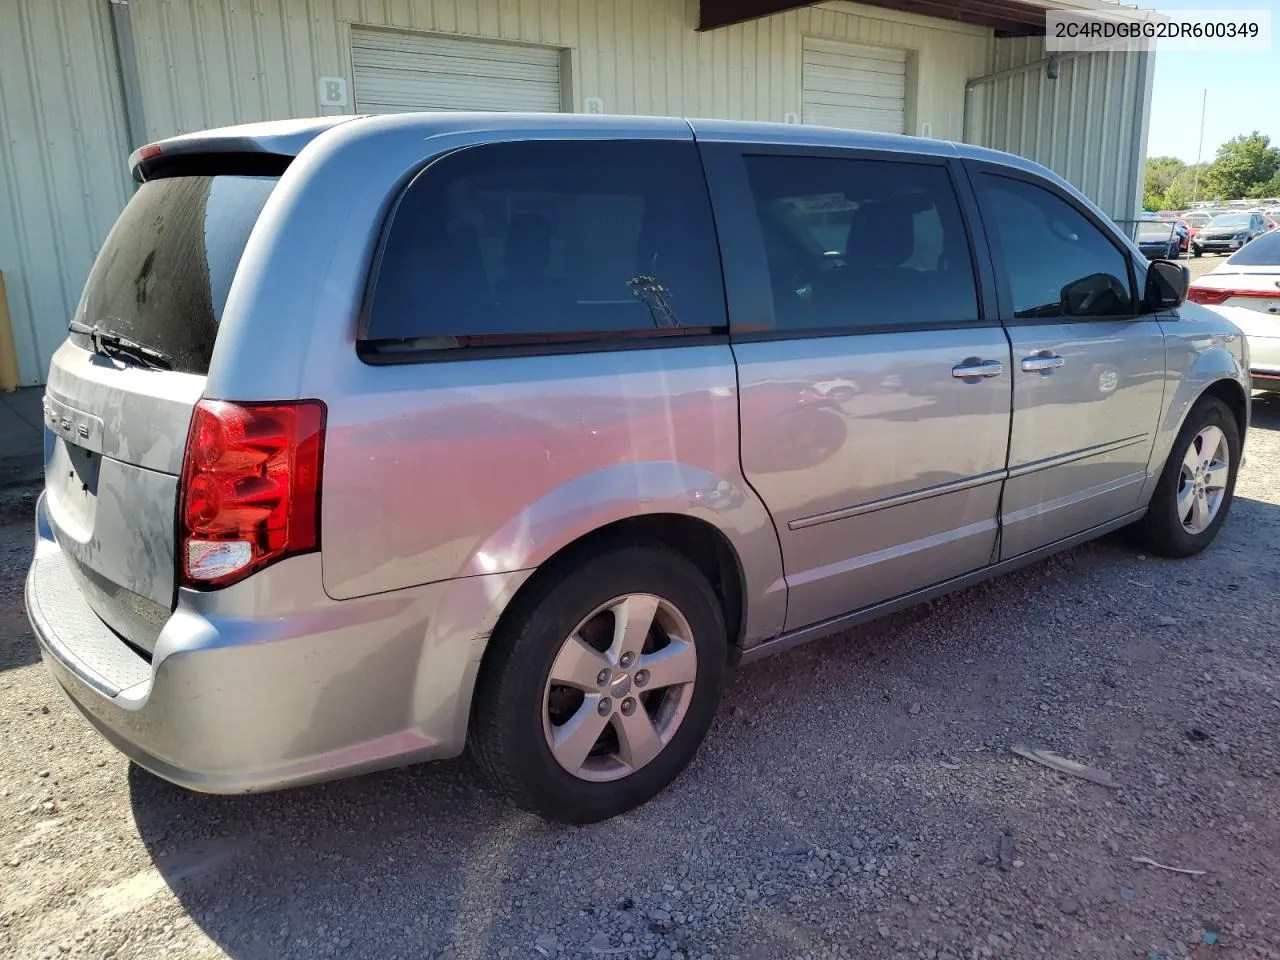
{"points": [[974, 367], [1042, 363]]}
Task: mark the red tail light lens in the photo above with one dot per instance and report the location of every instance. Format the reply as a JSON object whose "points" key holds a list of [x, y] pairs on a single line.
{"points": [[1205, 295], [250, 488]]}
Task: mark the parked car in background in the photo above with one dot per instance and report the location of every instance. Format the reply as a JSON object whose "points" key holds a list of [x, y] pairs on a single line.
{"points": [[1183, 232], [1246, 290], [1158, 240], [1226, 233], [580, 413], [1270, 222], [1195, 219]]}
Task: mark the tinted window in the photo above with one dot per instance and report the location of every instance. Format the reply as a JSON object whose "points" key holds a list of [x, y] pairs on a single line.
{"points": [[1054, 262], [862, 243], [163, 274], [1229, 220], [550, 241], [1264, 251]]}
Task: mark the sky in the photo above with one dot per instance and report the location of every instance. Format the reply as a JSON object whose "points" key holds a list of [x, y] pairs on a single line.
{"points": [[1244, 89]]}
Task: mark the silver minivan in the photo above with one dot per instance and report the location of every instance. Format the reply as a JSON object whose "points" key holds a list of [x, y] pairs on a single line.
{"points": [[379, 438]]}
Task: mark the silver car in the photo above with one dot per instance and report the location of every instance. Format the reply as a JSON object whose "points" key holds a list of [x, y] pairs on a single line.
{"points": [[378, 438]]}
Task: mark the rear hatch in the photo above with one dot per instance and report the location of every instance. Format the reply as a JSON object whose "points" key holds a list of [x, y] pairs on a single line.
{"points": [[122, 388]]}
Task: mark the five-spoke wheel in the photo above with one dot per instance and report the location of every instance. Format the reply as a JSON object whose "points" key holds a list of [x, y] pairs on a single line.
{"points": [[1202, 482], [1194, 492], [620, 687], [600, 682]]}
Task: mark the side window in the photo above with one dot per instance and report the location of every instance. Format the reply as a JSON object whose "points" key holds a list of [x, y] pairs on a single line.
{"points": [[1053, 260], [550, 241], [862, 243]]}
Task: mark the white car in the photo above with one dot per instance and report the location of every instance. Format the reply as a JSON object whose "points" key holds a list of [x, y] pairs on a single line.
{"points": [[1245, 289]]}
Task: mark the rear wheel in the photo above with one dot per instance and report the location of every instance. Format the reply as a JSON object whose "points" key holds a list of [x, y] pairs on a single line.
{"points": [[599, 687], [1194, 494]]}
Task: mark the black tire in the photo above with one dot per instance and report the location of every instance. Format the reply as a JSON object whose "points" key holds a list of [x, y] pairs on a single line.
{"points": [[1196, 252], [507, 736], [1161, 530]]}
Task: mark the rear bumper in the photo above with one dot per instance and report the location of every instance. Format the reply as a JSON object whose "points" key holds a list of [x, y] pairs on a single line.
{"points": [[269, 683]]}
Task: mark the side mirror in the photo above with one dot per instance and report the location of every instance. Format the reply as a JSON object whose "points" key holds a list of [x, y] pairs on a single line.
{"points": [[1167, 284]]}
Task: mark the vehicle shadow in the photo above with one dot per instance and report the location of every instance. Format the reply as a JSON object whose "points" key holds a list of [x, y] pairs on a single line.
{"points": [[17, 645], [1266, 411]]}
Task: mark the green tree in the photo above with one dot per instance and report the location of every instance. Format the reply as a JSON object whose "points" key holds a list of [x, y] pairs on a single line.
{"points": [[1242, 163], [1160, 172], [1269, 189], [1177, 197]]}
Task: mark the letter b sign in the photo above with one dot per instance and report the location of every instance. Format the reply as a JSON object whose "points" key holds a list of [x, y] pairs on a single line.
{"points": [[333, 91]]}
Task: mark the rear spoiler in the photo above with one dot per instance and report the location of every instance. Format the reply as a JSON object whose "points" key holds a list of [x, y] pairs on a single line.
{"points": [[254, 149]]}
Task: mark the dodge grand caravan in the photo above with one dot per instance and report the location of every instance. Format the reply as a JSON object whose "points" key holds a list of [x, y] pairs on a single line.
{"points": [[374, 439]]}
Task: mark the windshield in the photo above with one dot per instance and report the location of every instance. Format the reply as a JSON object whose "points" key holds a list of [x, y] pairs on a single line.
{"points": [[1197, 219], [1262, 252], [1230, 220], [165, 269]]}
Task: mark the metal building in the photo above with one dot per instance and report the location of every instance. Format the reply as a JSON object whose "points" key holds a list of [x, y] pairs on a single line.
{"points": [[83, 82]]}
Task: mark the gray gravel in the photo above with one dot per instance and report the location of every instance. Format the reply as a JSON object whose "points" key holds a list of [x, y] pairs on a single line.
{"points": [[856, 798]]}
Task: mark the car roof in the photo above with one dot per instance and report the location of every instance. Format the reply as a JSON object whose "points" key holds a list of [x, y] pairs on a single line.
{"points": [[289, 137]]}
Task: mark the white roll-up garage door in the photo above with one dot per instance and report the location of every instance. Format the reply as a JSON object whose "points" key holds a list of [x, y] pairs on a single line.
{"points": [[853, 86], [411, 71]]}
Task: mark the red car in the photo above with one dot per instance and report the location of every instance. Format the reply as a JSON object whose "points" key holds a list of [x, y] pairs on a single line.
{"points": [[1194, 222], [1185, 234]]}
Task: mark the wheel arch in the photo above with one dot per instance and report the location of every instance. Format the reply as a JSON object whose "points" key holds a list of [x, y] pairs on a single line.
{"points": [[702, 543], [1233, 395]]}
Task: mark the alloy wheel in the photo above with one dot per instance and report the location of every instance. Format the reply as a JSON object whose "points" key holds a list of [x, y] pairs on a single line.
{"points": [[1202, 483], [619, 687]]}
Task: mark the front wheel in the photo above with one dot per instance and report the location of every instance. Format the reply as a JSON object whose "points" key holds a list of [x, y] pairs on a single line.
{"points": [[600, 685], [1194, 493], [1196, 252]]}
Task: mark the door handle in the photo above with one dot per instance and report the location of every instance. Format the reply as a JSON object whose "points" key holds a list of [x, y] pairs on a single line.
{"points": [[975, 368], [1042, 363]]}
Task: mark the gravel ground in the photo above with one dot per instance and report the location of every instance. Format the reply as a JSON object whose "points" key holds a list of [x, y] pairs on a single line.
{"points": [[856, 798]]}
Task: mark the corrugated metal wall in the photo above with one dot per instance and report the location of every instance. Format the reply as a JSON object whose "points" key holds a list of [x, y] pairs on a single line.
{"points": [[62, 170], [205, 63], [1079, 125]]}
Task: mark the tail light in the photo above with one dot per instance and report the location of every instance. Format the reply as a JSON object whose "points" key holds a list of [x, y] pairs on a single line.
{"points": [[1205, 295], [1211, 296], [250, 488]]}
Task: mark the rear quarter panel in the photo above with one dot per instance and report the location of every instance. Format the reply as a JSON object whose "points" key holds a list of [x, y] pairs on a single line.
{"points": [[471, 467]]}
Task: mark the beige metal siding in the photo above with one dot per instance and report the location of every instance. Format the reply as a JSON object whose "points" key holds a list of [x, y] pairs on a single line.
{"points": [[1089, 125], [216, 62], [398, 70], [854, 86], [62, 163]]}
